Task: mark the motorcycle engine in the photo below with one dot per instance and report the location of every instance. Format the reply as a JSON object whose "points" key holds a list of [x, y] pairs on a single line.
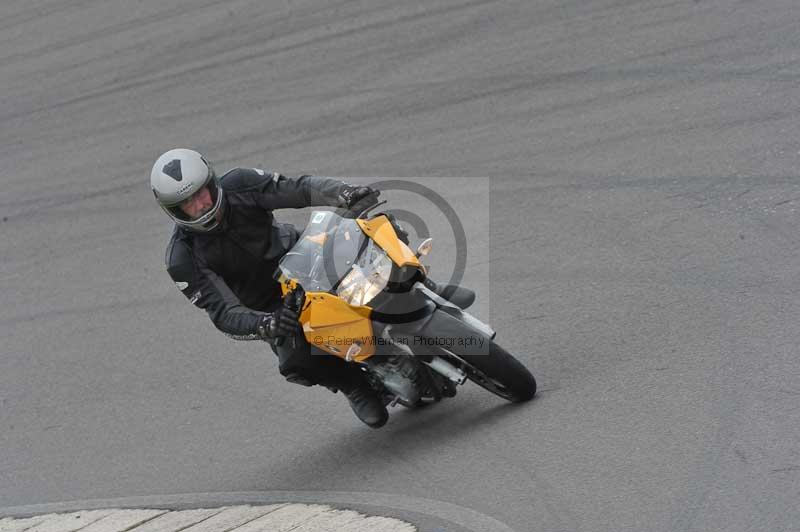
{"points": [[400, 374]]}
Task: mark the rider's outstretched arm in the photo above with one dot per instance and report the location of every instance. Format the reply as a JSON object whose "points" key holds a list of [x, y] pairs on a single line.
{"points": [[271, 190]]}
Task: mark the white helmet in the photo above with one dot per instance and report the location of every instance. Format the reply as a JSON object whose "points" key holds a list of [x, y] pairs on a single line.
{"points": [[175, 177]]}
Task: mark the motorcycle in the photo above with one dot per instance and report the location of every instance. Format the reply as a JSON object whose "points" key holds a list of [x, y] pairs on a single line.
{"points": [[364, 295]]}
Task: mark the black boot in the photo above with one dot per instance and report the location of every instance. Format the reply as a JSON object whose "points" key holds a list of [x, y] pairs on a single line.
{"points": [[367, 405], [457, 295]]}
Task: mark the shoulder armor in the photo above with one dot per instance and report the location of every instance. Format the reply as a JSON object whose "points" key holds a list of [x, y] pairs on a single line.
{"points": [[244, 179], [179, 259]]}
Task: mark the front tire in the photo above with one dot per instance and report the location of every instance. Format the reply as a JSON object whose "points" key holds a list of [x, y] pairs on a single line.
{"points": [[496, 370], [500, 373]]}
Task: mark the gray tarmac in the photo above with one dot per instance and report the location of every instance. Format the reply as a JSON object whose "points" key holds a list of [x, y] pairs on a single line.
{"points": [[641, 253]]}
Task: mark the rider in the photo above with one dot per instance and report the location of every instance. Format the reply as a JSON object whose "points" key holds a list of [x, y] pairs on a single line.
{"points": [[226, 246]]}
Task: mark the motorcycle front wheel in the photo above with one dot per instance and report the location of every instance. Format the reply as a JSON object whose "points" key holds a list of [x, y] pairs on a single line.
{"points": [[494, 369], [500, 373]]}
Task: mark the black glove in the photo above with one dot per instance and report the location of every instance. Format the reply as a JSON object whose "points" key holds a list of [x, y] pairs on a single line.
{"points": [[282, 322], [350, 195]]}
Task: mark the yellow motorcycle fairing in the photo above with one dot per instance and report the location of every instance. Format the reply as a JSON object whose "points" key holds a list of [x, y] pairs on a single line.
{"points": [[333, 325], [381, 231]]}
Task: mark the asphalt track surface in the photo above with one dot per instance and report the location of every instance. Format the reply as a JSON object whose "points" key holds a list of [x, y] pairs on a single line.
{"points": [[642, 252]]}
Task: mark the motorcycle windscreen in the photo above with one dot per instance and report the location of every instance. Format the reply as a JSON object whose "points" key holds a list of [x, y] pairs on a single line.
{"points": [[324, 253]]}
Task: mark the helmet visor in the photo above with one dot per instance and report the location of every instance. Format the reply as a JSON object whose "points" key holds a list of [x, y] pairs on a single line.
{"points": [[198, 205]]}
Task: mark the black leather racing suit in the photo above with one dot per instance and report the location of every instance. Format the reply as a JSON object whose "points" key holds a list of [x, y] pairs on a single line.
{"points": [[228, 272]]}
